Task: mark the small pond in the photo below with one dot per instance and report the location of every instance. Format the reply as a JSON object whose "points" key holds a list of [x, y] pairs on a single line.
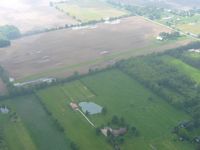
{"points": [[90, 107]]}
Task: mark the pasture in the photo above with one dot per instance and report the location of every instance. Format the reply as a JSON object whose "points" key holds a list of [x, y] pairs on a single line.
{"points": [[60, 53], [122, 96], [15, 135], [34, 130], [87, 10], [32, 15]]}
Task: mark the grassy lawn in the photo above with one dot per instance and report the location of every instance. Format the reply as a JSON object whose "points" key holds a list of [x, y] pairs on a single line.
{"points": [[39, 125], [190, 71], [122, 96], [88, 10]]}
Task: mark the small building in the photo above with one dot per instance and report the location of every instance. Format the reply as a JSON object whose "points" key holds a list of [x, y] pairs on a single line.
{"points": [[4, 110], [74, 106], [119, 132], [194, 50], [159, 38], [197, 139], [114, 132], [105, 130]]}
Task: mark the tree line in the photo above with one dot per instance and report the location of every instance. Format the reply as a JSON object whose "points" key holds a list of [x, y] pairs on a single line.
{"points": [[7, 33]]}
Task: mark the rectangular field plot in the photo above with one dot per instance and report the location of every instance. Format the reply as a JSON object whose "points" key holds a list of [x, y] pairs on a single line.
{"points": [[121, 96], [34, 129], [15, 135], [32, 15], [190, 28], [184, 68], [58, 54], [75, 126], [88, 10]]}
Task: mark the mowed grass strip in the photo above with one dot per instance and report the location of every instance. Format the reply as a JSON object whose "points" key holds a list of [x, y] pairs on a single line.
{"points": [[184, 68], [77, 129], [40, 125], [16, 135], [77, 91], [125, 97]]}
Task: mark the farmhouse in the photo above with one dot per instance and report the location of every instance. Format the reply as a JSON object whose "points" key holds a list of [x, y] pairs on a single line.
{"points": [[114, 132], [119, 132], [74, 106], [105, 130]]}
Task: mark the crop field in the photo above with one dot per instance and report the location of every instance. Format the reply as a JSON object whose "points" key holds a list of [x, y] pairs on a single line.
{"points": [[32, 15], [87, 10], [35, 132], [190, 28], [122, 96], [78, 50]]}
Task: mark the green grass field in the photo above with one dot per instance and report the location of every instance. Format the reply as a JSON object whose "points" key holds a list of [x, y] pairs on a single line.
{"points": [[192, 55], [35, 127], [184, 68], [122, 96], [15, 134], [87, 10], [76, 127]]}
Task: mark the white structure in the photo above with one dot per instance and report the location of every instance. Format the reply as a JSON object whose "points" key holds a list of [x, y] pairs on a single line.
{"points": [[159, 38], [113, 22], [4, 110], [41, 80], [104, 52], [194, 50], [11, 79]]}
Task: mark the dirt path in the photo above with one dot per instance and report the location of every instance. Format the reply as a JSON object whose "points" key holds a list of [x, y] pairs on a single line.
{"points": [[86, 118]]}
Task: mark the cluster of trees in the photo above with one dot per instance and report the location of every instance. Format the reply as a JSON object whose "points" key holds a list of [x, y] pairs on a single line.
{"points": [[115, 124], [182, 54], [7, 33], [169, 36], [150, 12], [184, 130], [155, 73]]}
